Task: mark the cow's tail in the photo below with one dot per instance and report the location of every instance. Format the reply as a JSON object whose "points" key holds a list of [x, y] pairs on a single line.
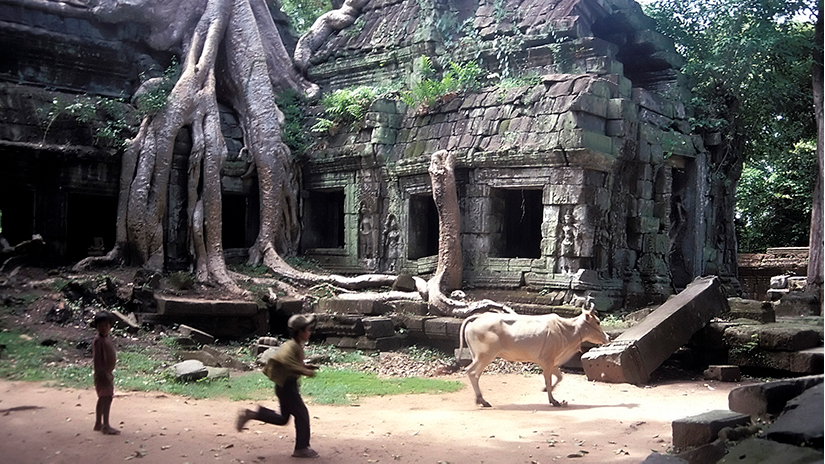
{"points": [[461, 336]]}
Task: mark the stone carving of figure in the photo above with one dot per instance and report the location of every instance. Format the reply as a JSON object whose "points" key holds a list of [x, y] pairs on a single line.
{"points": [[365, 229], [392, 236], [568, 263]]}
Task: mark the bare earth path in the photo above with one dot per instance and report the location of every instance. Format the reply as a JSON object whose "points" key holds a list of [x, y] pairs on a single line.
{"points": [[617, 423]]}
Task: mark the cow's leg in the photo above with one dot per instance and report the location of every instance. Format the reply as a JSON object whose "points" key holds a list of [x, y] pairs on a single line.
{"points": [[474, 371], [552, 377]]}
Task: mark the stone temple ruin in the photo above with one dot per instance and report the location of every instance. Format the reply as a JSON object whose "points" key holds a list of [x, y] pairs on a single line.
{"points": [[584, 182]]}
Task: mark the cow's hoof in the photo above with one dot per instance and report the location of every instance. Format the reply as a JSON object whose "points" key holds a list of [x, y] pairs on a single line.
{"points": [[559, 404], [484, 404]]}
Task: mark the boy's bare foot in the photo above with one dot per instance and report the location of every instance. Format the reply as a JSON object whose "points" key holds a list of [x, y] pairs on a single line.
{"points": [[243, 416], [108, 430], [305, 453], [97, 427]]}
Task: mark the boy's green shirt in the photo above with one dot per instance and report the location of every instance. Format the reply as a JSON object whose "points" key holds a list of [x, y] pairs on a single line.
{"points": [[286, 363]]}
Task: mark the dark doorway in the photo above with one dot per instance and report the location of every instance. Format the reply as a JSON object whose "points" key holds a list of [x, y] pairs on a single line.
{"points": [[324, 220], [233, 212], [17, 215], [423, 234], [90, 225], [521, 217]]}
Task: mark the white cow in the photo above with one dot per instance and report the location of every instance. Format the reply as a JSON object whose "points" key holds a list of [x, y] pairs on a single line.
{"points": [[548, 340]]}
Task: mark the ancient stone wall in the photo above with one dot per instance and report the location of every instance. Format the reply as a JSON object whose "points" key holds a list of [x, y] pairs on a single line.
{"points": [[588, 183]]}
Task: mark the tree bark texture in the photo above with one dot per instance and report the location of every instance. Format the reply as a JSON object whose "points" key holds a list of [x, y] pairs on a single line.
{"points": [[815, 250], [234, 45]]}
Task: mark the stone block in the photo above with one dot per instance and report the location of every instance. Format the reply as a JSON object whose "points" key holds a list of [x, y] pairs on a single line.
{"points": [[798, 304], [347, 343], [444, 328], [801, 422], [769, 398], [723, 373], [410, 307], [760, 311], [378, 327], [642, 348], [224, 360], [188, 371], [177, 306], [346, 306], [198, 335], [656, 458], [756, 450], [392, 343], [788, 338], [289, 305], [404, 283], [704, 428], [410, 322], [338, 325]]}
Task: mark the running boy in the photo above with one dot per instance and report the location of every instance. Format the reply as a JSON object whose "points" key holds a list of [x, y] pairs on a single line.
{"points": [[284, 368], [105, 358]]}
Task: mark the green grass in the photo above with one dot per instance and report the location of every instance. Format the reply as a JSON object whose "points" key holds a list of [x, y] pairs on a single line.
{"points": [[333, 386], [25, 359]]}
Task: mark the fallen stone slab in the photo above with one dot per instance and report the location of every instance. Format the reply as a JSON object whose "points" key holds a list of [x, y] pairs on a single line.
{"points": [[710, 452], [644, 347], [189, 370], [767, 398], [704, 428], [178, 306], [757, 450], [198, 335], [801, 422], [127, 322]]}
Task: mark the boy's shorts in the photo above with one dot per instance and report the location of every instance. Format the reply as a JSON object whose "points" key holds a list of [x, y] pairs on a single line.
{"points": [[105, 384]]}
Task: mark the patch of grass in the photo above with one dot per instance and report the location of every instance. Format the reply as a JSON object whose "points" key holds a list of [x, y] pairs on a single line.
{"points": [[344, 386], [138, 370], [612, 321]]}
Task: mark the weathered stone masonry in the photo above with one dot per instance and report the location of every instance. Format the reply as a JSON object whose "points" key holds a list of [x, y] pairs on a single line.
{"points": [[587, 184]]}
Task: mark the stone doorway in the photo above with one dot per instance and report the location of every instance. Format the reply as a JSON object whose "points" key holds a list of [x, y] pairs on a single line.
{"points": [[17, 215], [90, 225], [520, 212], [423, 223], [323, 220]]}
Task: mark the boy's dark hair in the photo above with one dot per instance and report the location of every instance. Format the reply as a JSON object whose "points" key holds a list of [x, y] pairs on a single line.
{"points": [[101, 317]]}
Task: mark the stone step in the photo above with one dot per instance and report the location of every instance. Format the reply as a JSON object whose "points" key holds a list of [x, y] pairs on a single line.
{"points": [[177, 306]]}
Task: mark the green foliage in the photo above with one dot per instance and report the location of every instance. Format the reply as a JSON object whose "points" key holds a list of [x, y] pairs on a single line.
{"points": [[343, 386], [456, 78], [293, 105], [346, 106], [751, 65], [303, 13], [773, 200], [155, 98]]}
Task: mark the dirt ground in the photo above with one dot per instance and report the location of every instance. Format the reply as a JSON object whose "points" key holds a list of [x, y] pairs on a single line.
{"points": [[616, 423]]}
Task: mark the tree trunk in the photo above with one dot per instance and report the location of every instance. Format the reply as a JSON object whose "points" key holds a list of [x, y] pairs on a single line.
{"points": [[815, 251]]}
